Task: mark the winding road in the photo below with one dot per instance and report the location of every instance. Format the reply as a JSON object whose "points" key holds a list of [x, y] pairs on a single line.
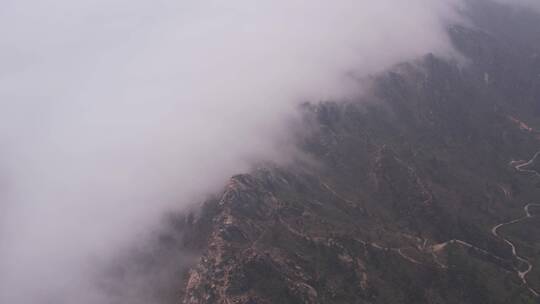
{"points": [[434, 249], [522, 274], [519, 166]]}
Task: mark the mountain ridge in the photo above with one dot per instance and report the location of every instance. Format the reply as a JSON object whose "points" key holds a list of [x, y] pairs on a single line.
{"points": [[415, 186]]}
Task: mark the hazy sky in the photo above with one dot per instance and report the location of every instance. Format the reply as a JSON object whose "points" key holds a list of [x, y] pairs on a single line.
{"points": [[534, 4], [116, 111]]}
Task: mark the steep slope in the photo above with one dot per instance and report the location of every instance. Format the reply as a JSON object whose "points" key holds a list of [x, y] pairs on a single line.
{"points": [[419, 193]]}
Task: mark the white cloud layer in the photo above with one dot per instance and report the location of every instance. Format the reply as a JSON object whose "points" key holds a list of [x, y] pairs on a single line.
{"points": [[116, 111]]}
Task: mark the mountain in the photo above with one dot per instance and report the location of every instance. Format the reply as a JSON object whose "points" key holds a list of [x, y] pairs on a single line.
{"points": [[423, 190]]}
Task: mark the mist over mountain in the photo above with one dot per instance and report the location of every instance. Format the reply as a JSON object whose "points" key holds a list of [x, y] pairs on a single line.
{"points": [[369, 142]]}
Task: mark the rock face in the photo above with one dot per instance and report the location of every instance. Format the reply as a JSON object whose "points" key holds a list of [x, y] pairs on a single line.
{"points": [[406, 186]]}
